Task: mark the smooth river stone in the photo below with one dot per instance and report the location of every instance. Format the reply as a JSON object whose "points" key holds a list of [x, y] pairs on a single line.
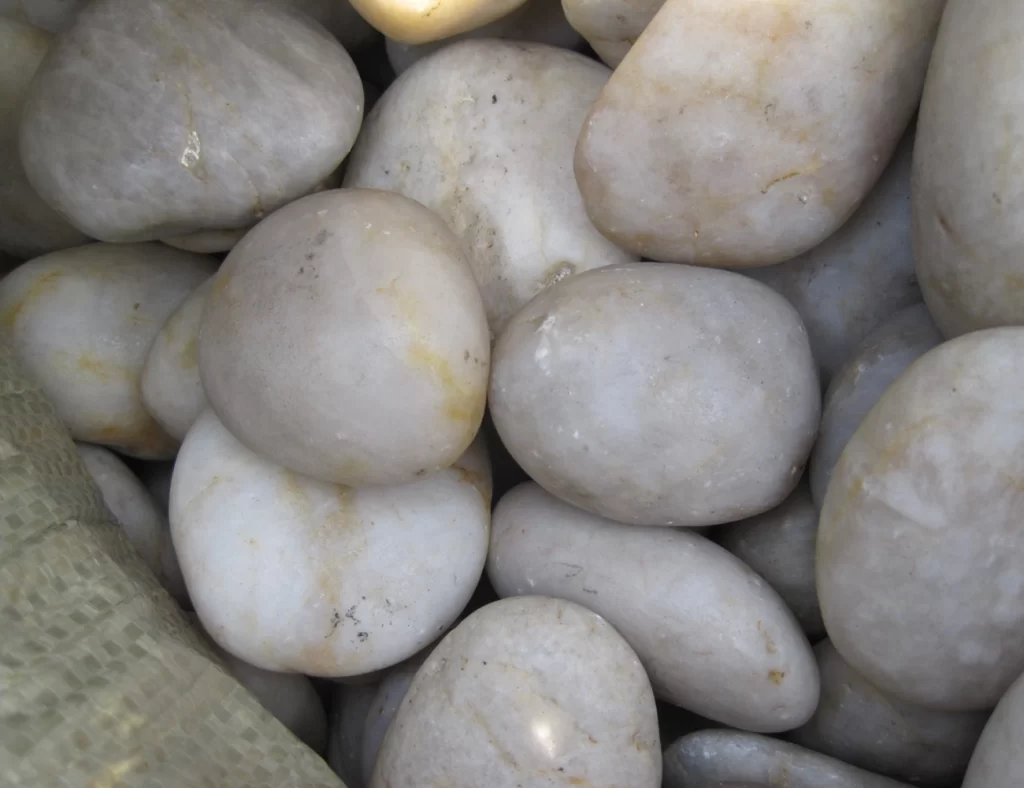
{"points": [[171, 389], [858, 277], [540, 21], [482, 133], [712, 635], [779, 545], [155, 118], [998, 760], [969, 170], [421, 23], [292, 574], [924, 507], [82, 320], [54, 16], [350, 707], [658, 394], [881, 358], [741, 133], [142, 520], [350, 296], [611, 27], [857, 724], [207, 241], [735, 756], [386, 702], [28, 226], [530, 692]]}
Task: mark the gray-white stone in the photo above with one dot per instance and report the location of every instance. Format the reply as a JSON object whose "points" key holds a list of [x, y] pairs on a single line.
{"points": [[920, 563], [998, 760], [350, 706], [879, 359], [155, 118], [712, 635], [779, 545], [528, 692]]}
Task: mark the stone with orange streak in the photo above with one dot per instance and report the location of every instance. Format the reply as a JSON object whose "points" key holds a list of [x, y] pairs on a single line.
{"points": [[171, 389], [533, 692], [293, 574], [741, 133], [345, 338], [924, 507], [82, 321], [968, 194]]}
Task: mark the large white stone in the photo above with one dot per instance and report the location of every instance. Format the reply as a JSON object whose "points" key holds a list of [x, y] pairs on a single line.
{"points": [[712, 635], [292, 574], [529, 692], [658, 394], [345, 338], [155, 118], [82, 320], [741, 133], [482, 133], [920, 563]]}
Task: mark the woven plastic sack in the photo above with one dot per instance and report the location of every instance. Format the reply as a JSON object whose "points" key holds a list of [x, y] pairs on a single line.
{"points": [[102, 681]]}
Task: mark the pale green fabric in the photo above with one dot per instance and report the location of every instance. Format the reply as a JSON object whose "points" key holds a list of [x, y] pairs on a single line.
{"points": [[102, 681]]}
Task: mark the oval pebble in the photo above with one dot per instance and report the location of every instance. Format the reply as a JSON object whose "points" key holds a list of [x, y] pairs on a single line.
{"points": [[482, 133], [82, 320], [998, 760], [139, 515], [390, 694], [528, 692], [968, 189], [611, 27], [658, 394], [351, 296], [739, 133], [859, 276], [171, 389], [712, 635], [213, 115], [779, 545], [924, 507], [879, 359], [422, 23], [324, 580], [859, 725], [207, 241], [736, 756]]}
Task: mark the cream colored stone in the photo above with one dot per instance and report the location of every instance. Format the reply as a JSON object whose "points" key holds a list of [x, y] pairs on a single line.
{"points": [[345, 338], [539, 21], [712, 635], [292, 574], [482, 133], [143, 522], [710, 757], [879, 360], [82, 320], [857, 724], [858, 277], [611, 27], [741, 133], [658, 394], [998, 760], [526, 692], [422, 21], [920, 565], [171, 389], [28, 226], [779, 545], [969, 170]]}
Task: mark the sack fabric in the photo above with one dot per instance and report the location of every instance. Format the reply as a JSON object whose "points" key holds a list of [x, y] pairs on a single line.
{"points": [[103, 682]]}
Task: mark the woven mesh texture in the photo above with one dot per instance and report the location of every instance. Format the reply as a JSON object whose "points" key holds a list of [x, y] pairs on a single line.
{"points": [[102, 681]]}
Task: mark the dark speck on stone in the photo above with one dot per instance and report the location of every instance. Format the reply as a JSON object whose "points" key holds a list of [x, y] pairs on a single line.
{"points": [[494, 98], [321, 237]]}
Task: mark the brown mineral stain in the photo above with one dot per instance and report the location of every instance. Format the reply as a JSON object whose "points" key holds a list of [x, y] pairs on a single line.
{"points": [[578, 781], [776, 677], [43, 285], [482, 487], [291, 490], [318, 659], [462, 403], [95, 367], [189, 356], [143, 439]]}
